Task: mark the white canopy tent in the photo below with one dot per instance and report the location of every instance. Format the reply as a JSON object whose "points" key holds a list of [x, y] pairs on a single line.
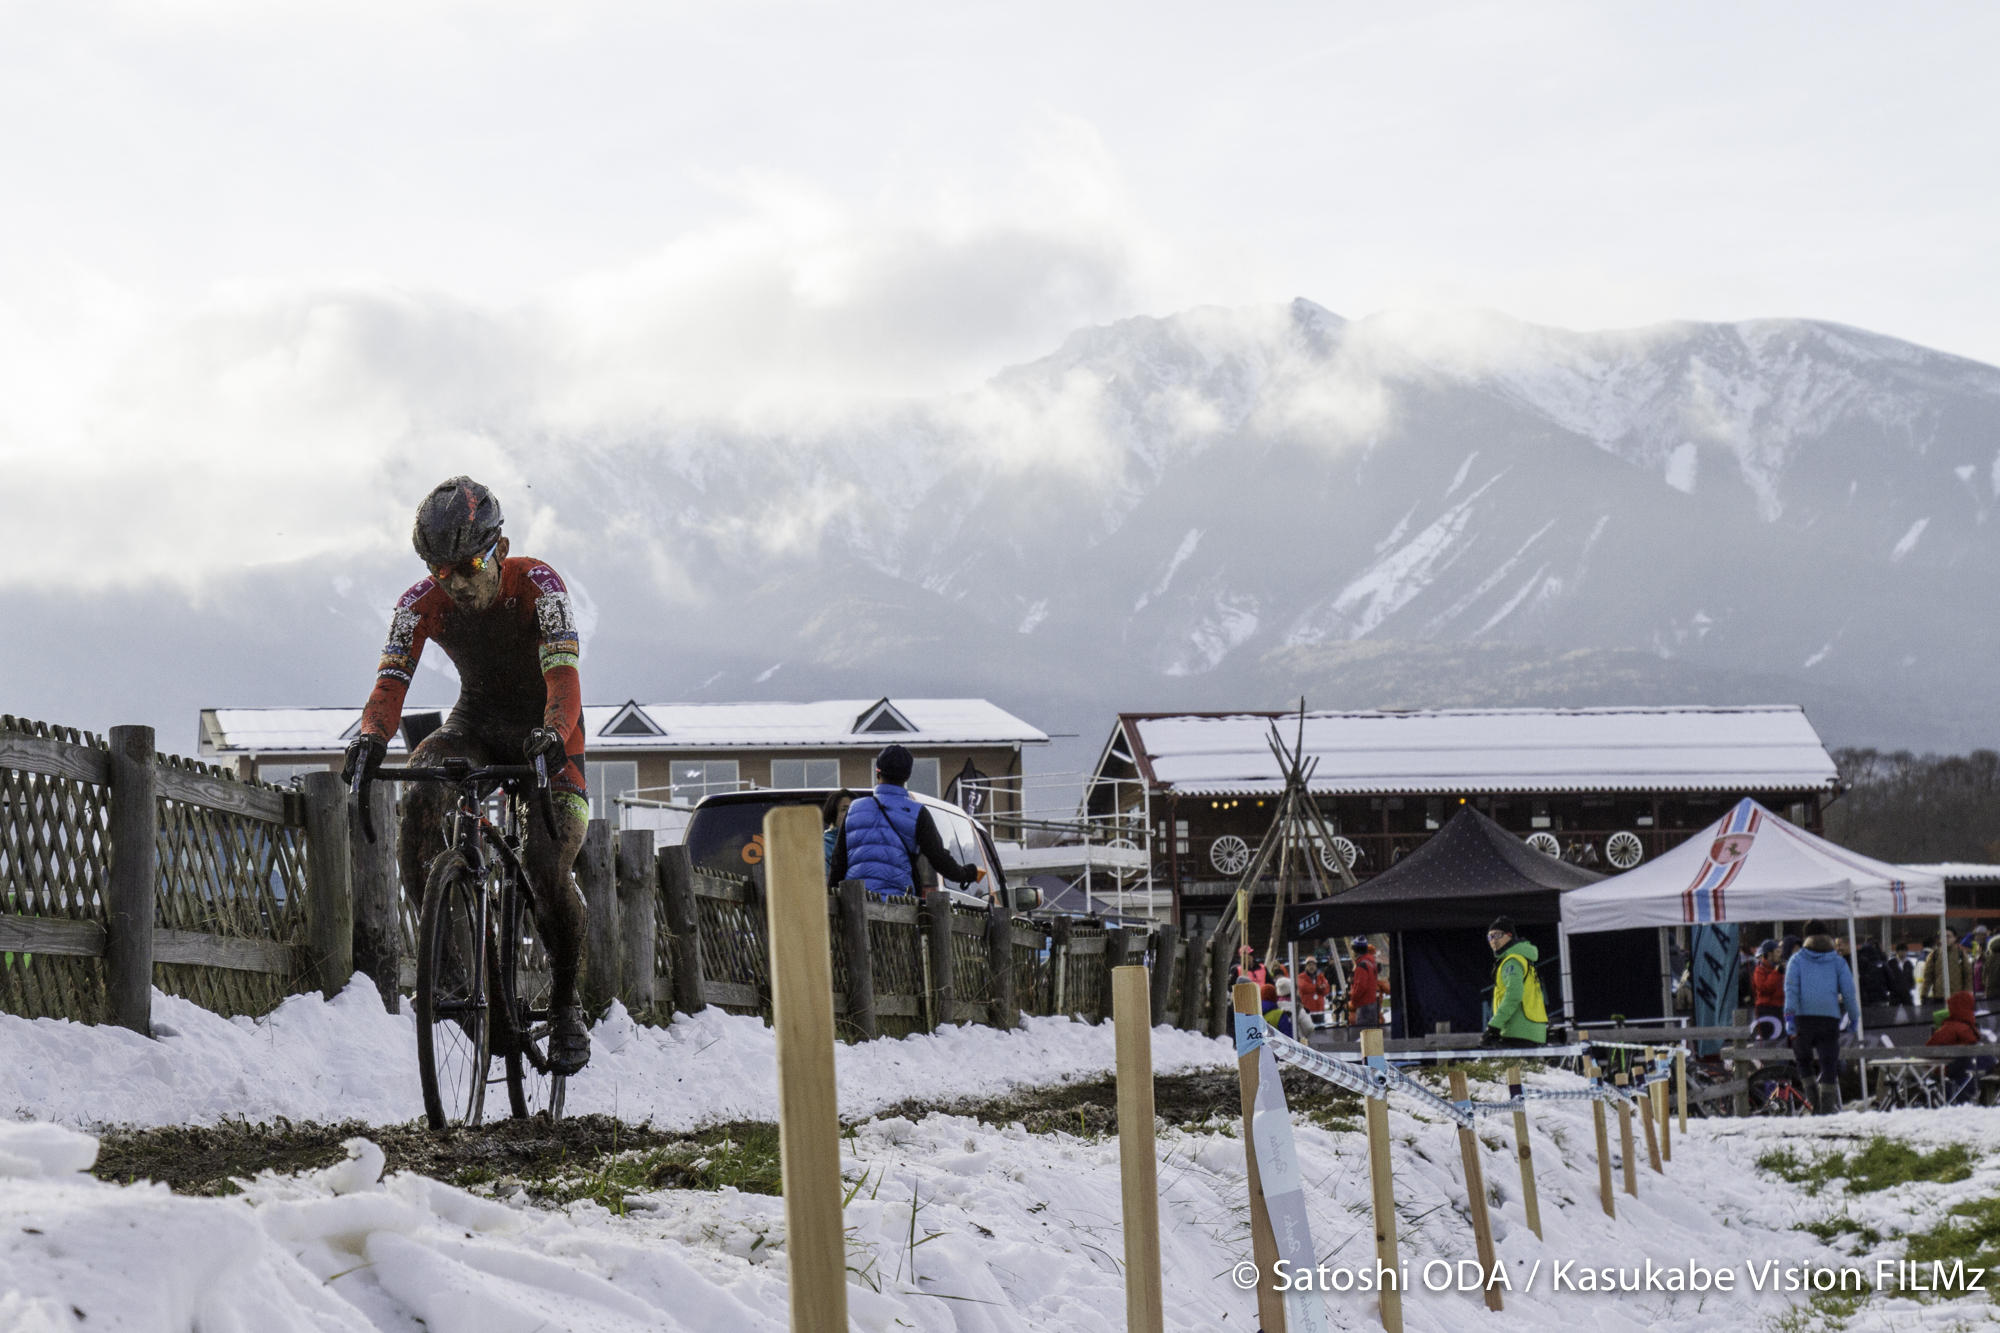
{"points": [[1750, 865]]}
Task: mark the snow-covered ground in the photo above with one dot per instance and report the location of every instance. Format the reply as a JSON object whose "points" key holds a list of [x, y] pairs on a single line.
{"points": [[953, 1224]]}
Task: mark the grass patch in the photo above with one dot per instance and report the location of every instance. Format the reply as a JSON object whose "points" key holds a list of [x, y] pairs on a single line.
{"points": [[1826, 1310], [1881, 1163], [1830, 1229], [743, 1157], [1969, 1231]]}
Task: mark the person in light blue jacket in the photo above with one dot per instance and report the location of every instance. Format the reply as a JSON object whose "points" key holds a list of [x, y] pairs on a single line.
{"points": [[1819, 992]]}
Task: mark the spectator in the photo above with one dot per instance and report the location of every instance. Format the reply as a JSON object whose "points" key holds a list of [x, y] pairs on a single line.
{"points": [[1520, 1017], [1252, 970], [1364, 993], [1942, 971], [832, 819], [1976, 945], [1958, 1029], [885, 831], [1903, 974], [1767, 994], [1819, 989], [1871, 974], [1313, 991], [1287, 1006], [1992, 967], [1276, 1013]]}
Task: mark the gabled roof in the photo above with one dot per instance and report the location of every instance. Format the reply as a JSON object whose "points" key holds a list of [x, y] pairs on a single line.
{"points": [[881, 716], [826, 725], [1462, 751]]}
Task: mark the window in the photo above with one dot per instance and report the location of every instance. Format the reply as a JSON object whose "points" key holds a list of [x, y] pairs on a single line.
{"points": [[805, 772], [696, 778], [281, 775], [924, 778], [607, 782]]}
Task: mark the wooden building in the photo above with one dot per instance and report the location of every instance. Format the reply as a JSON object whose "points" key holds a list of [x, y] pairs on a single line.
{"points": [[644, 758], [1605, 787]]}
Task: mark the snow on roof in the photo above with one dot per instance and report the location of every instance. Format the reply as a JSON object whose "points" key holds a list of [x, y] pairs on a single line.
{"points": [[1492, 750], [826, 724], [1960, 872]]}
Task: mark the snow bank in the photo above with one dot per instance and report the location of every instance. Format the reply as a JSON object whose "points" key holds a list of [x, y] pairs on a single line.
{"points": [[347, 1059]]}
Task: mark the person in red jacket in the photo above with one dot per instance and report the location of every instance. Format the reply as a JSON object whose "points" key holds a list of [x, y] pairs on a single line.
{"points": [[1767, 994], [1365, 992], [1313, 990], [1958, 1029]]}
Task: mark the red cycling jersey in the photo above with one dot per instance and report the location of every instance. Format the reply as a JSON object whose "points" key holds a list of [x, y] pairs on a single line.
{"points": [[516, 659]]}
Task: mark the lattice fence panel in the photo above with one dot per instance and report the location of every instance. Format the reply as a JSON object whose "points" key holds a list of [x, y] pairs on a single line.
{"points": [[971, 972], [1083, 974], [734, 947], [234, 876], [1031, 971], [896, 953], [54, 855]]}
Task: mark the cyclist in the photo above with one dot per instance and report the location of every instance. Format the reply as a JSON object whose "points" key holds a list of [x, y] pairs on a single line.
{"points": [[506, 623]]}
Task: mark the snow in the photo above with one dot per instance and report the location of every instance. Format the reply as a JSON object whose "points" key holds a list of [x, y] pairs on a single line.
{"points": [[1395, 580], [952, 1224], [1179, 558], [1909, 540], [1681, 465]]}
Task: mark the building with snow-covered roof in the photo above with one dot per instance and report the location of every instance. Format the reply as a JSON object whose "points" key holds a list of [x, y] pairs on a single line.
{"points": [[1607, 787], [674, 754]]}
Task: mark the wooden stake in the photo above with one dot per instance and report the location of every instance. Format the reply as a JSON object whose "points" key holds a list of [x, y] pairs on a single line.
{"points": [[1132, 1013], [1475, 1193], [597, 877], [1681, 1086], [133, 832], [1263, 1243], [1603, 1147], [1646, 1119], [1525, 1151], [1382, 1189], [808, 1118], [329, 881], [1631, 1162], [1659, 1091]]}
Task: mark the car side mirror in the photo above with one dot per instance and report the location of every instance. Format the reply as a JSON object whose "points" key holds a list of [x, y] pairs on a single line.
{"points": [[1026, 899]]}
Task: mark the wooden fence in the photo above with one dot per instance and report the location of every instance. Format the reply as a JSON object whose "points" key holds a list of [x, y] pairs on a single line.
{"points": [[122, 869]]}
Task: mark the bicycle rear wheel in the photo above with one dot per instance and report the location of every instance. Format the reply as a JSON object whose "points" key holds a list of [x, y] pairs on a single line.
{"points": [[452, 1028], [526, 985], [1779, 1090]]}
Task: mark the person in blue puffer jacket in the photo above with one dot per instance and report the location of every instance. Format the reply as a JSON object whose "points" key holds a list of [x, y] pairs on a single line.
{"points": [[1819, 989], [885, 832]]}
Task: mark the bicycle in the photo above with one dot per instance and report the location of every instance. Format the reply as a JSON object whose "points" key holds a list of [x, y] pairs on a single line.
{"points": [[483, 985], [1779, 1090]]}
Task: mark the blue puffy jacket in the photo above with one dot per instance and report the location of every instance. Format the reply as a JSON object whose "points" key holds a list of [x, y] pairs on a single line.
{"points": [[882, 840], [1819, 982]]}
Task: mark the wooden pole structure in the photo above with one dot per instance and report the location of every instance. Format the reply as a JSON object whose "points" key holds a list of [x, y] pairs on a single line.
{"points": [[1003, 994], [1646, 1118], [595, 876], [937, 939], [1630, 1163], [1475, 1193], [1659, 1091], [1383, 1190], [683, 929], [638, 902], [1525, 1151], [1263, 1241], [378, 924], [860, 960], [1603, 1146], [329, 886], [1132, 1013], [1681, 1086], [808, 1118], [134, 832], [1166, 947]]}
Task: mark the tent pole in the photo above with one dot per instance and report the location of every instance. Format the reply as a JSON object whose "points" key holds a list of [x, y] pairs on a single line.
{"points": [[1860, 1028], [1569, 1000]]}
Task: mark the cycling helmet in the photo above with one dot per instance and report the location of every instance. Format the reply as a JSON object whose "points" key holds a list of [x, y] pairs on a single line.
{"points": [[457, 520]]}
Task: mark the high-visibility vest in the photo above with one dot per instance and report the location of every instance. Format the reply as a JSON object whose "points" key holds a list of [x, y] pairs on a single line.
{"points": [[1532, 1006]]}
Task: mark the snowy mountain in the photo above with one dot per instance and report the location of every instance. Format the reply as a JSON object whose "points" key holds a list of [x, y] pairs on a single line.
{"points": [[1230, 507]]}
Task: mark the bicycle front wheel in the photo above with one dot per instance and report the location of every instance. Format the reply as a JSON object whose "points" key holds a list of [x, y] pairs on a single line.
{"points": [[525, 989], [452, 1028]]}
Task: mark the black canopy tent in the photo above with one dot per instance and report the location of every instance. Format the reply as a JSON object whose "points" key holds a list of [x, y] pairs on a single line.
{"points": [[1437, 902]]}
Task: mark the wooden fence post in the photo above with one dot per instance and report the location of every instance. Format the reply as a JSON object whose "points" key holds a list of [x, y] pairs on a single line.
{"points": [[1681, 1086], [329, 892], [1591, 1070], [637, 903], [1630, 1164], [1117, 941], [1659, 1091], [1006, 1004], [1194, 1006], [937, 924], [1475, 1193], [134, 830], [378, 908], [808, 1116], [1218, 984], [1059, 966], [1382, 1189], [1652, 1112], [600, 918], [1525, 1150], [1132, 1016], [1166, 948], [684, 929], [860, 962], [1263, 1240]]}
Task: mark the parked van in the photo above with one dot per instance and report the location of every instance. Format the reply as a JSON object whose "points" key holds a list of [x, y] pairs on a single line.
{"points": [[726, 834]]}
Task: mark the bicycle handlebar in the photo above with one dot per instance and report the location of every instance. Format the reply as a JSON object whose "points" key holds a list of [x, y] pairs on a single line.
{"points": [[460, 774]]}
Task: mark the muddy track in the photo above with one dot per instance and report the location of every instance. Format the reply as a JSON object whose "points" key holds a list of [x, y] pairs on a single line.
{"points": [[207, 1159]]}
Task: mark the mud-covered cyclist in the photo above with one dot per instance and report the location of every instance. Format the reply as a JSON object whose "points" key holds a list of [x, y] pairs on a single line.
{"points": [[507, 624]]}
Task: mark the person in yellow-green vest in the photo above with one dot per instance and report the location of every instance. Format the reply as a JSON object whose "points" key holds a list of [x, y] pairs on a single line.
{"points": [[1520, 1017]]}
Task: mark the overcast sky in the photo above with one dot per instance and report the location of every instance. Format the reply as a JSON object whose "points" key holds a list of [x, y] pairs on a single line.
{"points": [[253, 249]]}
